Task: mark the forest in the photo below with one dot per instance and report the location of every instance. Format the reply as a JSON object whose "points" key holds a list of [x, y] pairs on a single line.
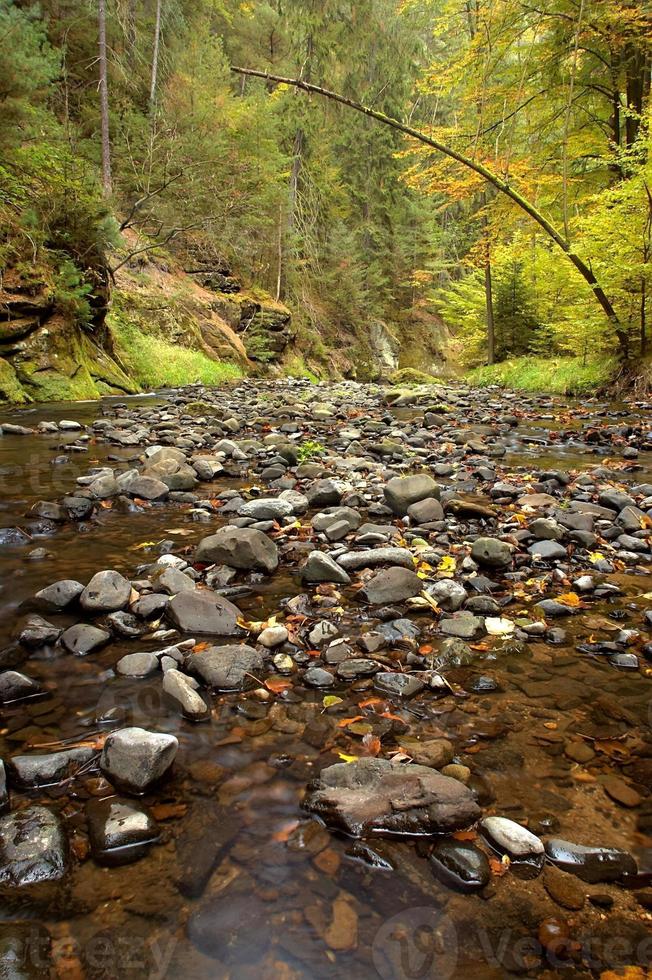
{"points": [[127, 137]]}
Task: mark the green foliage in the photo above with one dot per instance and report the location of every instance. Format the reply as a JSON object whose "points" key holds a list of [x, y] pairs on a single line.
{"points": [[559, 375], [157, 363], [310, 450], [412, 376]]}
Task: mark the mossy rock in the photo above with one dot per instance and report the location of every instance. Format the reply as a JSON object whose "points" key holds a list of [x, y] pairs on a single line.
{"points": [[411, 376], [10, 387]]}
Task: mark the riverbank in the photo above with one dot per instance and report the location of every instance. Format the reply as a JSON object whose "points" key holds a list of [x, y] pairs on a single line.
{"points": [[557, 375]]}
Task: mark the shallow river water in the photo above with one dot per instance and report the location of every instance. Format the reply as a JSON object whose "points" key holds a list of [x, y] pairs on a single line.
{"points": [[270, 892]]}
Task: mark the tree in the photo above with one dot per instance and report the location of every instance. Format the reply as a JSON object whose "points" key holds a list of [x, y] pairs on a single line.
{"points": [[107, 184], [504, 186]]}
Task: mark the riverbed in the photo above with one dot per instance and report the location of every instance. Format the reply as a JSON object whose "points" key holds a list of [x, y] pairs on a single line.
{"points": [[547, 714]]}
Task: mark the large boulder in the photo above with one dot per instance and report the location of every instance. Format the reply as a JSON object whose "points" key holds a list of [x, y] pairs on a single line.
{"points": [[377, 796], [227, 668], [403, 491], [106, 592], [205, 613], [240, 547]]}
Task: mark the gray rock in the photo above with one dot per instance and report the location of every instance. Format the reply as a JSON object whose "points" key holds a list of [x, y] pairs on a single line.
{"points": [[391, 585], [449, 595], [134, 759], [120, 831], [59, 595], [266, 509], [240, 547], [320, 567], [398, 685], [173, 581], [38, 633], [181, 689], [15, 686], [325, 493], [83, 639], [137, 665], [48, 769], [403, 491], [227, 668], [147, 488], [318, 677], [273, 636], [507, 837], [548, 550], [426, 511], [205, 613], [375, 796], [353, 560], [463, 625], [491, 552], [349, 670], [106, 592], [545, 529], [33, 848]]}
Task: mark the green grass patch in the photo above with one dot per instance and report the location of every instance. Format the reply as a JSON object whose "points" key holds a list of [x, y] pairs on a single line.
{"points": [[156, 363], [557, 375]]}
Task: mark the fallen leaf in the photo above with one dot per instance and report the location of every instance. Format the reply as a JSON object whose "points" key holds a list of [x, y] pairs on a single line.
{"points": [[168, 811], [344, 722], [277, 684], [371, 744], [330, 700], [570, 599], [347, 758]]}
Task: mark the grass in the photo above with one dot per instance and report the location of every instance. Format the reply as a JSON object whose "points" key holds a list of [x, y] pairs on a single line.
{"points": [[557, 375], [156, 363]]}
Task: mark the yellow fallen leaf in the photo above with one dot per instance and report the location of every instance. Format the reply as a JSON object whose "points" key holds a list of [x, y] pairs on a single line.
{"points": [[330, 700], [347, 758]]}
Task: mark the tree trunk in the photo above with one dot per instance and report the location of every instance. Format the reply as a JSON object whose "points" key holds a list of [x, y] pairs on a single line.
{"points": [[107, 185], [643, 318], [157, 39], [489, 305], [498, 182]]}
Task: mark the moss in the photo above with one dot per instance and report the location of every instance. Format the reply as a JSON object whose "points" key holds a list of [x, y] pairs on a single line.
{"points": [[296, 367], [156, 363], [10, 387], [557, 375], [411, 376]]}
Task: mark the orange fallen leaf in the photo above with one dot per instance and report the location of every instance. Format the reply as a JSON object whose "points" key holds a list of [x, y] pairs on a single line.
{"points": [[425, 650], [277, 684], [369, 702], [498, 867], [465, 835], [371, 744], [344, 722], [200, 647]]}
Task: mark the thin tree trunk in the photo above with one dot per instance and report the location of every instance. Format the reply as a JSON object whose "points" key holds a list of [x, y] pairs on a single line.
{"points": [[489, 305], [643, 318], [569, 109], [107, 185], [502, 185], [157, 39], [279, 271]]}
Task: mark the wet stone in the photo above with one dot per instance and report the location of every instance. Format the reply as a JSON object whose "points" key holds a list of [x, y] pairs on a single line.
{"points": [[204, 613], [460, 866], [591, 864], [83, 639], [106, 592], [391, 585], [227, 668], [134, 759], [318, 677], [120, 831], [564, 888], [374, 796], [520, 845], [15, 686], [48, 769], [398, 685], [349, 670], [33, 848], [59, 595], [137, 665]]}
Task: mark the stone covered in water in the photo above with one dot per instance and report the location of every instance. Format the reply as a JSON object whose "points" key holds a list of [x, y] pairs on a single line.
{"points": [[120, 831], [591, 864], [33, 848], [373, 796], [460, 866], [135, 759]]}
